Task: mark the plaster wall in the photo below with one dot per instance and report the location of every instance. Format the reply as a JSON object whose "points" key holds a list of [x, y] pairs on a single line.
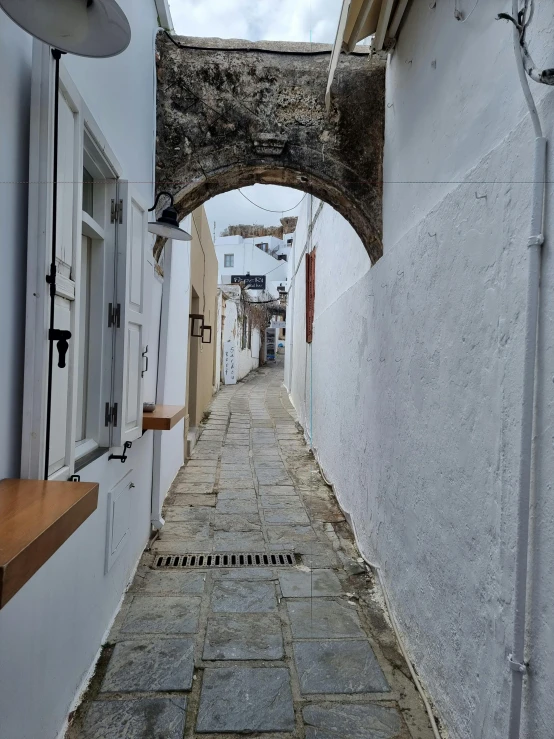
{"points": [[423, 449], [51, 631], [204, 281], [248, 258], [247, 359], [169, 446]]}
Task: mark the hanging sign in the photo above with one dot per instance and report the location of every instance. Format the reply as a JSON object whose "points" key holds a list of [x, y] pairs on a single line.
{"points": [[251, 282], [230, 362]]}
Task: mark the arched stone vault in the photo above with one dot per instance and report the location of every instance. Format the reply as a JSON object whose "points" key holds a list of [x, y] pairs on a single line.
{"points": [[235, 113]]}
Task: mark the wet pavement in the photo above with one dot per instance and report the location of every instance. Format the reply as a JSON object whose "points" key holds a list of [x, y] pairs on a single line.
{"points": [[300, 650]]}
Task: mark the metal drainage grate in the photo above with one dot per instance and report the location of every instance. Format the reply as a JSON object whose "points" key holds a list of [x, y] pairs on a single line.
{"points": [[175, 561]]}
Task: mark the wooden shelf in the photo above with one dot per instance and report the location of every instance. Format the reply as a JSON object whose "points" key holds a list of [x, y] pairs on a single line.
{"points": [[163, 418], [36, 518]]}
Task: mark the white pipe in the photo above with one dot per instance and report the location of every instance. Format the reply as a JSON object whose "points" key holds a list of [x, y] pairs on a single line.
{"points": [[517, 658]]}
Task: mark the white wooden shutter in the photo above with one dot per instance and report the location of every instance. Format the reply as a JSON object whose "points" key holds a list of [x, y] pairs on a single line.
{"points": [[130, 340], [38, 264]]}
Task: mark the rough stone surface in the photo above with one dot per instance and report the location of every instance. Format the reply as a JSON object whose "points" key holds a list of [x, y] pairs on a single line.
{"points": [[154, 665], [338, 667], [348, 721], [229, 118], [244, 597], [242, 699], [314, 584], [323, 618], [147, 718], [162, 615], [243, 636]]}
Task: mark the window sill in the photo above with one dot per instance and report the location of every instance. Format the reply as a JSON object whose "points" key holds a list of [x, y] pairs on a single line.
{"points": [[36, 518], [163, 418]]}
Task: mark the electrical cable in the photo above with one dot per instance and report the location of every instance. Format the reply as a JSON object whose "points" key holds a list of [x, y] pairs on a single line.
{"points": [[458, 13], [273, 211], [204, 272]]}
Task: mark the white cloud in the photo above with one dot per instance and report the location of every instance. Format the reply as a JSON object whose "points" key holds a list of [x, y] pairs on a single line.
{"points": [[256, 20]]}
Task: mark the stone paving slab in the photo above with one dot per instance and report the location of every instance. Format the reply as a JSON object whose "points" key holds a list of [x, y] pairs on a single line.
{"points": [[187, 531], [181, 546], [168, 583], [314, 584], [338, 667], [290, 534], [351, 721], [245, 700], [322, 618], [285, 515], [236, 494], [186, 514], [244, 541], [154, 665], [155, 718], [237, 522], [244, 597], [162, 615], [194, 500], [243, 636], [237, 505], [281, 490], [246, 573], [281, 501]]}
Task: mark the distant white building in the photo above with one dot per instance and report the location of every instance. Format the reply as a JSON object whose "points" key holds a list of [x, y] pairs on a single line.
{"points": [[256, 256]]}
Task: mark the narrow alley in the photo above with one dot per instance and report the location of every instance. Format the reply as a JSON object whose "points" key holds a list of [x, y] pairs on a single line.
{"points": [[283, 645]]}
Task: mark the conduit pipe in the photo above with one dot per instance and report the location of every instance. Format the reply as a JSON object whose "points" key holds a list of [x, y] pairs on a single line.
{"points": [[517, 657]]}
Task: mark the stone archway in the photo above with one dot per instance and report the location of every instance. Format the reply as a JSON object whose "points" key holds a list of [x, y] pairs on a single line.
{"points": [[235, 113]]}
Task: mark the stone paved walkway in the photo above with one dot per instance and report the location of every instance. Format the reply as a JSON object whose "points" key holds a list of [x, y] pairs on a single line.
{"points": [[304, 651]]}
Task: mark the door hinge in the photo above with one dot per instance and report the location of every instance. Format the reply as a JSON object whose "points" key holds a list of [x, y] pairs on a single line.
{"points": [[110, 416], [117, 211], [114, 315]]}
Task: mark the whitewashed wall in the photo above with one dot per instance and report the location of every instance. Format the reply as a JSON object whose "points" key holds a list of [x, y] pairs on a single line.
{"points": [[247, 359], [15, 83], [169, 446], [51, 631], [423, 449]]}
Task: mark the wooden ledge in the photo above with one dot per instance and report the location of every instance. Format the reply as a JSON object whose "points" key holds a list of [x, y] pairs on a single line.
{"points": [[163, 418], [36, 518]]}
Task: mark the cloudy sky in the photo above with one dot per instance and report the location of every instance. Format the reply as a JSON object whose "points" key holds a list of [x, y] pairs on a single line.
{"points": [[255, 20]]}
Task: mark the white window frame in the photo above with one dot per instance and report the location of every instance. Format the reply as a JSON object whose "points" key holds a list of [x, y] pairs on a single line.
{"points": [[38, 261], [231, 258]]}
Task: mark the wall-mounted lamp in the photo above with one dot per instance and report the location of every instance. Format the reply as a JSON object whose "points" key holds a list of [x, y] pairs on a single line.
{"points": [[167, 225], [89, 28], [92, 28], [197, 326], [204, 329]]}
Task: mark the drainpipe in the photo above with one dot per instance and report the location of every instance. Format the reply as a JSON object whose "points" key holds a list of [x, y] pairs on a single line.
{"points": [[517, 657]]}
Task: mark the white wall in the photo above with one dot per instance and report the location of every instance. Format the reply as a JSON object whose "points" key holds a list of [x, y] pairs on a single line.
{"points": [[15, 82], [423, 449], [52, 629], [248, 258], [169, 446], [247, 359]]}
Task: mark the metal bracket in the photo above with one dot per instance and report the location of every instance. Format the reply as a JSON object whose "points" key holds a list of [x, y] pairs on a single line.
{"points": [[61, 338], [114, 315], [122, 457], [516, 666], [117, 211], [536, 240]]}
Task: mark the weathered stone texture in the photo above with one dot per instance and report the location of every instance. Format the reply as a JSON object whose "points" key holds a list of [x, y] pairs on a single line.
{"points": [[233, 114]]}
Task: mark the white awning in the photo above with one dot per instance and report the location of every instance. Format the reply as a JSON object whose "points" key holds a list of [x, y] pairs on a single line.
{"points": [[360, 19]]}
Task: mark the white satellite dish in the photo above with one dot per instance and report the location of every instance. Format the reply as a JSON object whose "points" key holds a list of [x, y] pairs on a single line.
{"points": [[92, 28]]}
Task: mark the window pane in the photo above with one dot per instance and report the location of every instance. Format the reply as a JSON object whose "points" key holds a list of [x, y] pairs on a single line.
{"points": [[229, 260], [88, 192]]}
